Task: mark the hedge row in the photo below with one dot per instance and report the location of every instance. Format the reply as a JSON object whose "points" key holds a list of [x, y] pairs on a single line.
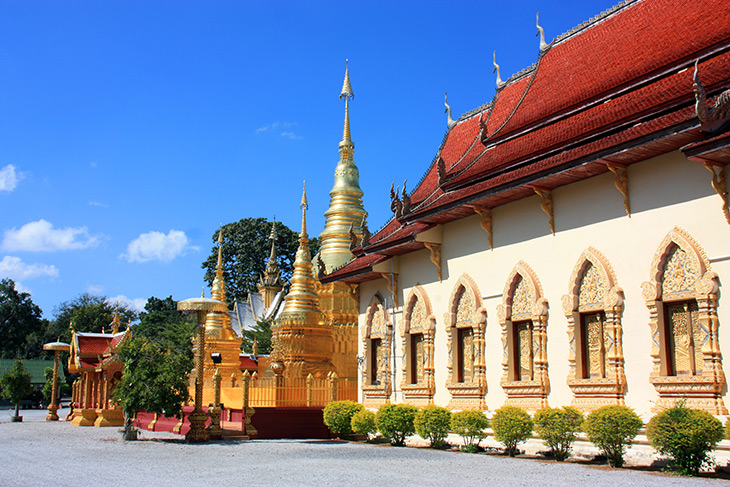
{"points": [[686, 436]]}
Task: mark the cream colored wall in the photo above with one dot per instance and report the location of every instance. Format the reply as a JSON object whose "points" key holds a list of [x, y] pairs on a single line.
{"points": [[665, 192]]}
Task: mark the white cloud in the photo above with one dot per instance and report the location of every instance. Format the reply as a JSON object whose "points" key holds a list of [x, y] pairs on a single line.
{"points": [[96, 203], [276, 126], [121, 299], [158, 246], [40, 236], [291, 135], [21, 288], [16, 269], [95, 289], [9, 178]]}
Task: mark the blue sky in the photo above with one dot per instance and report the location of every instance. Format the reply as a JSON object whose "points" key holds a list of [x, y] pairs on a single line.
{"points": [[130, 130]]}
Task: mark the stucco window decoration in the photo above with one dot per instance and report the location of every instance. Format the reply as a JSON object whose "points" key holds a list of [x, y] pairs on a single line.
{"points": [[417, 333], [465, 327], [523, 316], [377, 345], [593, 308], [682, 299]]}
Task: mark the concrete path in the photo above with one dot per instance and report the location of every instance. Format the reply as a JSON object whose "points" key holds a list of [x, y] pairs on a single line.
{"points": [[41, 453]]}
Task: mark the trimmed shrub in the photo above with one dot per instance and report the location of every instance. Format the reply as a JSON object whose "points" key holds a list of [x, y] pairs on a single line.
{"points": [[511, 426], [363, 423], [470, 425], [685, 435], [395, 422], [432, 423], [338, 416], [558, 427], [613, 429], [727, 428]]}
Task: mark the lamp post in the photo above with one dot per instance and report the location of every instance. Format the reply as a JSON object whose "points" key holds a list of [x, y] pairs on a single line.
{"points": [[201, 306], [57, 348]]}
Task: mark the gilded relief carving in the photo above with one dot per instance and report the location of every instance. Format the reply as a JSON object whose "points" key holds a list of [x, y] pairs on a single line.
{"points": [[377, 347], [593, 309], [523, 317], [417, 334], [682, 300], [465, 327]]}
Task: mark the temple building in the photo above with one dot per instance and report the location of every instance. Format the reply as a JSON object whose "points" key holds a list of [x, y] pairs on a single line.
{"points": [[569, 241], [93, 357]]}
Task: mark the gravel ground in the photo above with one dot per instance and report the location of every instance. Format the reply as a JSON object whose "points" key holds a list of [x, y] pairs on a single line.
{"points": [[36, 452]]}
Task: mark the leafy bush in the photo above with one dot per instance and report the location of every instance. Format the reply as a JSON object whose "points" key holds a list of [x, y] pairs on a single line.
{"points": [[686, 435], [470, 425], [557, 427], [363, 423], [612, 429], [432, 423], [395, 422], [338, 416], [511, 425]]}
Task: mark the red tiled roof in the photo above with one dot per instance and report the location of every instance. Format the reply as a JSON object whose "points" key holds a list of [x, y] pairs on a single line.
{"points": [[364, 263], [93, 344], [247, 363], [620, 82]]}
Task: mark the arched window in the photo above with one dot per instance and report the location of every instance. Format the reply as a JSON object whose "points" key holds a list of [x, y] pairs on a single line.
{"points": [[377, 345], [417, 332], [682, 300], [593, 308], [523, 316], [465, 326]]}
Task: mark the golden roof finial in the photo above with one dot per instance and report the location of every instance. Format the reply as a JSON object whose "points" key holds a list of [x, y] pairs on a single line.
{"points": [[115, 322], [218, 289], [346, 144], [346, 86], [304, 206], [202, 293]]}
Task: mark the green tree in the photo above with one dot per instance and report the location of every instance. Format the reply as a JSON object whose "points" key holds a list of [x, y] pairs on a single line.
{"points": [[89, 313], [48, 386], [163, 325], [261, 332], [246, 248], [21, 325], [16, 385], [155, 380]]}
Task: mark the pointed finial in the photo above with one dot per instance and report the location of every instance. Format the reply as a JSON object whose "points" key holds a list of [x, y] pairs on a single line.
{"points": [[449, 120], [202, 294], [500, 83], [346, 146], [219, 265], [540, 32], [115, 322], [304, 207], [346, 86]]}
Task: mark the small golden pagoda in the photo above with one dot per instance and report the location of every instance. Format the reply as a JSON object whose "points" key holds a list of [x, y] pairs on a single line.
{"points": [[302, 340], [270, 282], [344, 220], [219, 335]]}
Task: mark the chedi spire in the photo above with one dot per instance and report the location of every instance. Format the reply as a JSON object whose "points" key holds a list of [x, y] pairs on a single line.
{"points": [[346, 206]]}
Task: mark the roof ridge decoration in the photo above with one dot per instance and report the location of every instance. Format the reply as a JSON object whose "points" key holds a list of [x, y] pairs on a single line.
{"points": [[449, 121], [712, 116], [500, 83]]}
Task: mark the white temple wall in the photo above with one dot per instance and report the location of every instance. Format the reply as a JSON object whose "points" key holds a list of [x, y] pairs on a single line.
{"points": [[665, 192]]}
